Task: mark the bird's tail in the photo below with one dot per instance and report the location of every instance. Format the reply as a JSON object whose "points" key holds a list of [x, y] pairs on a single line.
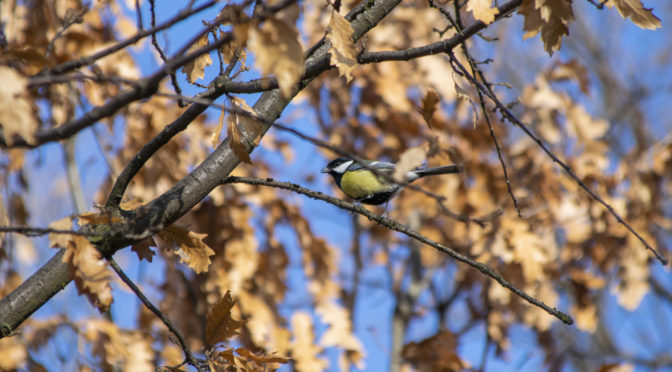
{"points": [[446, 169]]}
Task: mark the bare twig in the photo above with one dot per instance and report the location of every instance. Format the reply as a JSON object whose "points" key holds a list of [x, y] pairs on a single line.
{"points": [[155, 43], [457, 24], [71, 19], [190, 359], [393, 225]]}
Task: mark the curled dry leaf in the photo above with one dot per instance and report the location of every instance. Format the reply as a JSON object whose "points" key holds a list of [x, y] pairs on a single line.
{"points": [[16, 112], [196, 68], [343, 52], [635, 10], [214, 137], [243, 130], [186, 244]]}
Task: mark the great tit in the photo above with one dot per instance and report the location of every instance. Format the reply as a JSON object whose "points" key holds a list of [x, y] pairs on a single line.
{"points": [[360, 183]]}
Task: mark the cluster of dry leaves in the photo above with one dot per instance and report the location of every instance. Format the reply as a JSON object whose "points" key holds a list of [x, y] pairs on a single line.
{"points": [[567, 248]]}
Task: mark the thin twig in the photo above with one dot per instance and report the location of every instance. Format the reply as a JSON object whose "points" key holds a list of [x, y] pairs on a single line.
{"points": [[155, 43], [138, 15], [508, 115], [393, 225], [148, 304], [71, 19], [457, 24]]}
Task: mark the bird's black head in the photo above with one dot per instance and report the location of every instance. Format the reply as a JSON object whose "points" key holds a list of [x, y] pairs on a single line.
{"points": [[337, 166]]}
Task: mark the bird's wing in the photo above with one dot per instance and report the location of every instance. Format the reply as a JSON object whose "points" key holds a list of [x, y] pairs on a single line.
{"points": [[380, 165]]}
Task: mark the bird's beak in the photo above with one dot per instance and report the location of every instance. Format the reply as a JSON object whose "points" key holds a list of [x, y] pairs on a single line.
{"points": [[324, 170]]}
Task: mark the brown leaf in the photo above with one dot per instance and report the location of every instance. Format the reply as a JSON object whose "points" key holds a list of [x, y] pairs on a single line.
{"points": [[277, 51], [635, 10], [143, 250], [219, 325], [196, 68], [214, 139], [186, 244], [343, 52], [436, 353], [86, 265], [483, 10], [409, 160], [550, 17], [429, 103], [16, 112]]}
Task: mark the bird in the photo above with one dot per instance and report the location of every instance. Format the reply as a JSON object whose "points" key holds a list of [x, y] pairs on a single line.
{"points": [[360, 183]]}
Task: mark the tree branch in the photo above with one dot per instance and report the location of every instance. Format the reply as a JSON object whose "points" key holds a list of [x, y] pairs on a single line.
{"points": [[394, 225], [167, 208]]}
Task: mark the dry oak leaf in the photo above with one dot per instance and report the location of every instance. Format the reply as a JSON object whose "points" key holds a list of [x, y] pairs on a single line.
{"points": [[196, 68], [87, 267], [429, 103], [343, 52], [219, 325], [277, 51], [483, 10], [186, 244], [243, 130], [143, 249], [409, 160], [16, 112], [635, 10], [551, 17]]}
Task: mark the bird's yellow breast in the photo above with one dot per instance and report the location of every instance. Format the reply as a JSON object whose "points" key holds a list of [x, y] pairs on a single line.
{"points": [[363, 183]]}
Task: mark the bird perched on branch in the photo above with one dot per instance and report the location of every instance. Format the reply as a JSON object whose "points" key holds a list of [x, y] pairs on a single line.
{"points": [[367, 182]]}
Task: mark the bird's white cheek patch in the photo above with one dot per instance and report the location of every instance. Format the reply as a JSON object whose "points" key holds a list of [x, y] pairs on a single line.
{"points": [[341, 168]]}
